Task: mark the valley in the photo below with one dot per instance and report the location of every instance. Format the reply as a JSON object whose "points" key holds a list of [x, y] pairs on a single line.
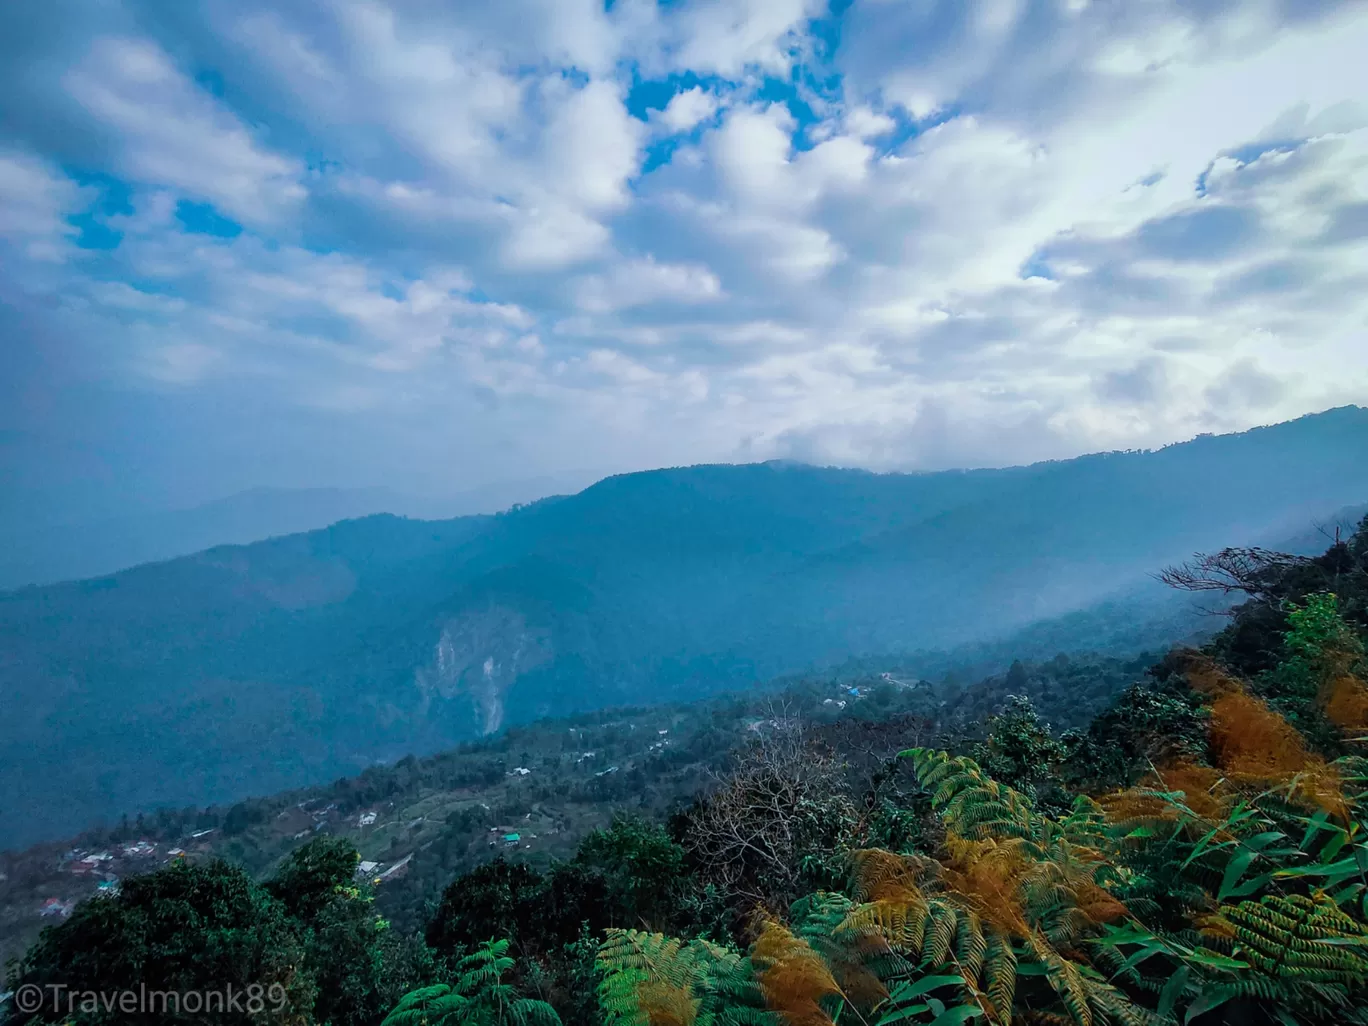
{"points": [[253, 669], [533, 792]]}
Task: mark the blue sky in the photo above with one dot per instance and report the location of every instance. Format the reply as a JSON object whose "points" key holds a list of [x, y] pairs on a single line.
{"points": [[434, 245]]}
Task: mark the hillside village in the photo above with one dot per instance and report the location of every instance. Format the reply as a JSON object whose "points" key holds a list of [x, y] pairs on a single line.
{"points": [[531, 793], [840, 798], [535, 811]]}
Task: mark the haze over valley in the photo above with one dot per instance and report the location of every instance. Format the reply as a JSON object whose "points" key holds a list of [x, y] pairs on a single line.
{"points": [[684, 512], [247, 669]]}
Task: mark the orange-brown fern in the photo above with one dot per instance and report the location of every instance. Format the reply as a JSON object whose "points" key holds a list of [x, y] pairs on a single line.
{"points": [[1250, 739], [1204, 675], [987, 874], [793, 978], [1254, 744], [881, 875], [1345, 703], [665, 1004], [1204, 788]]}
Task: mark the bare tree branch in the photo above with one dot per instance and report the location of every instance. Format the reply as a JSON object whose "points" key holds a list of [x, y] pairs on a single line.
{"points": [[786, 797], [1253, 571]]}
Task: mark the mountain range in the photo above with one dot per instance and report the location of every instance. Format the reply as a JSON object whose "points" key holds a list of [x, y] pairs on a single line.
{"points": [[45, 550], [248, 669]]}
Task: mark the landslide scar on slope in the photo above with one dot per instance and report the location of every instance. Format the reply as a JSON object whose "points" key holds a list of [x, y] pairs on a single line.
{"points": [[478, 655]]}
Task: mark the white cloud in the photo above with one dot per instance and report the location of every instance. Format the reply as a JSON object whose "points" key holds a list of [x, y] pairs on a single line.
{"points": [[726, 37], [590, 148], [751, 152], [244, 307], [641, 282], [169, 132], [864, 123], [1114, 225], [551, 237], [35, 201], [687, 109], [489, 137]]}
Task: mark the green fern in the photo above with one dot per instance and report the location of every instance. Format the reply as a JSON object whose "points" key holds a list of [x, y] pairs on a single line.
{"points": [[481, 997], [969, 801], [1300, 938], [438, 1005], [704, 983]]}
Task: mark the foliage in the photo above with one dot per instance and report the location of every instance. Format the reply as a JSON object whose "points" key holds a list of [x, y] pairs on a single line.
{"points": [[190, 928], [779, 822], [1020, 750], [1253, 644], [314, 875], [657, 980], [1218, 872], [1318, 673], [1197, 854], [641, 868], [1159, 721], [360, 965], [480, 997], [308, 938], [629, 873], [1319, 635], [497, 899]]}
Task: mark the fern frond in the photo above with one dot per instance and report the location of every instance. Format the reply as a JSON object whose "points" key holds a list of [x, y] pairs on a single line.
{"points": [[1302, 938], [1065, 978], [428, 1006], [971, 803], [970, 945], [793, 978], [999, 977]]}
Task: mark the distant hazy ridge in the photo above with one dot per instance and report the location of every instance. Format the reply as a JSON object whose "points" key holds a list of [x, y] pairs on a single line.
{"points": [[249, 669]]}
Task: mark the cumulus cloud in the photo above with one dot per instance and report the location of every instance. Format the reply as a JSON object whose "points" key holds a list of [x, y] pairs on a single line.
{"points": [[732, 37], [168, 132], [639, 282], [864, 123], [35, 202], [687, 109], [901, 235]]}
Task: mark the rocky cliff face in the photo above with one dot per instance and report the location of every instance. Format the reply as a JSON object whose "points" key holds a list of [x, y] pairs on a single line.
{"points": [[478, 655]]}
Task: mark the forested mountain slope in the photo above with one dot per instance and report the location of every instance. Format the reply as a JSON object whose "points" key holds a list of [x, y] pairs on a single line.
{"points": [[249, 669], [444, 810], [1191, 850], [48, 551]]}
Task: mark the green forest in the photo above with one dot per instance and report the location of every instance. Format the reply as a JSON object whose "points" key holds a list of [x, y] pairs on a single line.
{"points": [[1195, 853], [250, 670]]}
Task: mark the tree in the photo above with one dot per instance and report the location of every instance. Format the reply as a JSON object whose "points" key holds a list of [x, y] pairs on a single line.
{"points": [[1274, 583], [1318, 683], [1321, 639], [360, 965], [190, 932], [1020, 751], [1016, 678], [641, 867], [314, 875], [1160, 721], [781, 818], [1254, 572], [497, 899]]}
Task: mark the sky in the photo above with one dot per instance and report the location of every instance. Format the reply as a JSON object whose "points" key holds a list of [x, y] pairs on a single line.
{"points": [[434, 245]]}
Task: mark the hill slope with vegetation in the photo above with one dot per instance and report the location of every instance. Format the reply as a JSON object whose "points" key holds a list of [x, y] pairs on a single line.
{"points": [[1196, 853], [251, 669]]}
